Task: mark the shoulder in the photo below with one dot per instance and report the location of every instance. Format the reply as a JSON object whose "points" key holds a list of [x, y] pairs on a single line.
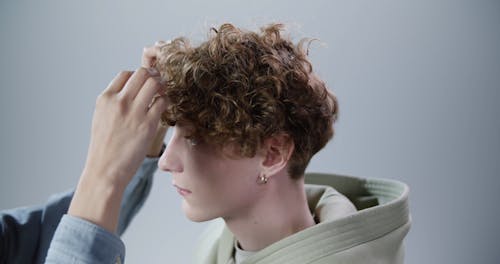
{"points": [[208, 242]]}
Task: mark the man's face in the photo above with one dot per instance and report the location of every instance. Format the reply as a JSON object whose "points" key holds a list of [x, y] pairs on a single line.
{"points": [[212, 185]]}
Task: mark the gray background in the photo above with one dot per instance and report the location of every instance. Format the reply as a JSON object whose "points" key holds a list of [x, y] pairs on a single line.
{"points": [[418, 84]]}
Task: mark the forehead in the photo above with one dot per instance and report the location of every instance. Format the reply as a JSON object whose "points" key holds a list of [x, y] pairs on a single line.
{"points": [[226, 150]]}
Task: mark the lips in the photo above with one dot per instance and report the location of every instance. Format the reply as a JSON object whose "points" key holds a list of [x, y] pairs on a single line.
{"points": [[181, 190]]}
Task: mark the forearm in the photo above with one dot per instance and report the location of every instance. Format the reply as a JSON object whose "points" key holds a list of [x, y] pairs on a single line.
{"points": [[26, 233], [75, 236], [97, 201]]}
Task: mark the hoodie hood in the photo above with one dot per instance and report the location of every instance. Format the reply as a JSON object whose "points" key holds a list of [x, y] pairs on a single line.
{"points": [[359, 221]]}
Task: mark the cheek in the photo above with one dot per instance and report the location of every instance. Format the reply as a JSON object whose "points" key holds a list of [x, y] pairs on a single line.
{"points": [[220, 187], [228, 175]]}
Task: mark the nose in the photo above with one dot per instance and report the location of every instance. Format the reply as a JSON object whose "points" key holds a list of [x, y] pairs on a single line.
{"points": [[170, 160]]}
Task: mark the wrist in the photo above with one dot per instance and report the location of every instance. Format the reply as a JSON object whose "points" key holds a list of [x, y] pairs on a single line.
{"points": [[97, 201], [106, 174]]}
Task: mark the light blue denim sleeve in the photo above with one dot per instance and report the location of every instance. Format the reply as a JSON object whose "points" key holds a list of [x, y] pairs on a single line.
{"points": [[79, 241], [26, 233], [136, 193]]}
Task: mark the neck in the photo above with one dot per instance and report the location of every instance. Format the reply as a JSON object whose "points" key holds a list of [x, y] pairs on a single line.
{"points": [[280, 211]]}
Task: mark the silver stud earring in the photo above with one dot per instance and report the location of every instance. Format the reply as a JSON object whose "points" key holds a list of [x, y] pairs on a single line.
{"points": [[262, 179]]}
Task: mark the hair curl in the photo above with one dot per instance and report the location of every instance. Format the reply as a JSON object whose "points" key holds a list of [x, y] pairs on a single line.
{"points": [[243, 87]]}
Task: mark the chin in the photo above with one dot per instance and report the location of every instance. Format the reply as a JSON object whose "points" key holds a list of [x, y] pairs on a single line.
{"points": [[195, 214]]}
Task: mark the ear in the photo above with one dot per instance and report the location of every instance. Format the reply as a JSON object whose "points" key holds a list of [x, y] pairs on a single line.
{"points": [[277, 151]]}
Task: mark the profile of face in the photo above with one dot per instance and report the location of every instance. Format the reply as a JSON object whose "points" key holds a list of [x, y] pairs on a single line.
{"points": [[212, 183]]}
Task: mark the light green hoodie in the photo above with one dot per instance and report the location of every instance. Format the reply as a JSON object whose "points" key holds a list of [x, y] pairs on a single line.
{"points": [[372, 234]]}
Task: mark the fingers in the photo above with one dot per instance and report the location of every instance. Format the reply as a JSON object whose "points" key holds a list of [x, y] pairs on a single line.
{"points": [[143, 83], [146, 94], [140, 90], [135, 83], [118, 82], [159, 106], [149, 54]]}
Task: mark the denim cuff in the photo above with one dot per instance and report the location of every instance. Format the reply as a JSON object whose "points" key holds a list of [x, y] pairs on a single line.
{"points": [[80, 241]]}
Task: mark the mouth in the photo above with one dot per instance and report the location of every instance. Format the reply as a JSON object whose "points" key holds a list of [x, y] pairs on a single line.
{"points": [[182, 191]]}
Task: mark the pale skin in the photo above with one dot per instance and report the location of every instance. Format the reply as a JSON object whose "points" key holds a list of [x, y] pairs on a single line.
{"points": [[124, 130], [211, 184]]}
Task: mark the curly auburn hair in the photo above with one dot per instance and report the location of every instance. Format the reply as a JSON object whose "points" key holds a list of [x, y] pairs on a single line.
{"points": [[243, 87]]}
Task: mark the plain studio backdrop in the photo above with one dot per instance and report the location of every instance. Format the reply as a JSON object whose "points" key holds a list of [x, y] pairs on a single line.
{"points": [[418, 84]]}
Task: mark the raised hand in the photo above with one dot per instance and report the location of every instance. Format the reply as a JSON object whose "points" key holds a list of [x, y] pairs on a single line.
{"points": [[124, 126]]}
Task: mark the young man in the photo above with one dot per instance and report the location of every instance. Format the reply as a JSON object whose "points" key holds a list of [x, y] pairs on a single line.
{"points": [[248, 115]]}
